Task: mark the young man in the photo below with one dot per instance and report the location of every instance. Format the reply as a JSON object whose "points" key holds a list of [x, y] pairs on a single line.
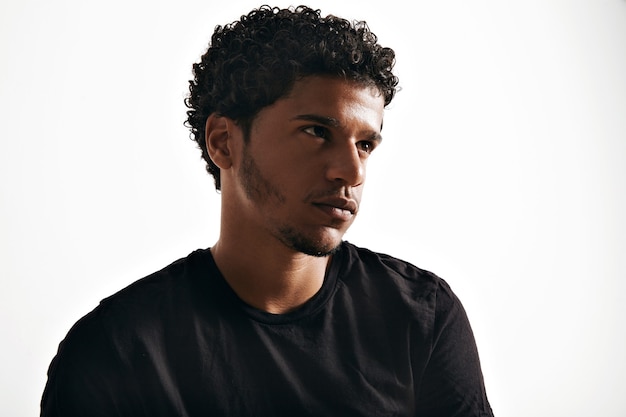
{"points": [[279, 316]]}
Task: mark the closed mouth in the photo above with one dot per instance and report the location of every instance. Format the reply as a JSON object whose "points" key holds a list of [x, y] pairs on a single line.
{"points": [[338, 208]]}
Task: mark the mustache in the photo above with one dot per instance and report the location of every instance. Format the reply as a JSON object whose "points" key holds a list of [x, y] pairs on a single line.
{"points": [[339, 192]]}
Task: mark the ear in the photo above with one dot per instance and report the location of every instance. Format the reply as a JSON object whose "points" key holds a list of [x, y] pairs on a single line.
{"points": [[218, 139]]}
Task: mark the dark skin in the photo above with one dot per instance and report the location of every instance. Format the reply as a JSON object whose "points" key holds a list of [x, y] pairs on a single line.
{"points": [[290, 194]]}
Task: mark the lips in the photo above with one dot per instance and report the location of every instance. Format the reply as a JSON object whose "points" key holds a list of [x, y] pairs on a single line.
{"points": [[338, 208]]}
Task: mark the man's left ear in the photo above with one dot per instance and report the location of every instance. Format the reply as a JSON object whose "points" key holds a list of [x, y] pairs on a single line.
{"points": [[218, 139]]}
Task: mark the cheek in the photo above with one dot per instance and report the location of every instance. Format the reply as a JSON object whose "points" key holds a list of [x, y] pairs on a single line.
{"points": [[293, 169]]}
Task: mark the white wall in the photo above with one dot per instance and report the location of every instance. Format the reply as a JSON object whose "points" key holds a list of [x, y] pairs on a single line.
{"points": [[502, 171]]}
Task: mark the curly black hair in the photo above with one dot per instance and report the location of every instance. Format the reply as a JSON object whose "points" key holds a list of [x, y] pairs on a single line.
{"points": [[253, 62]]}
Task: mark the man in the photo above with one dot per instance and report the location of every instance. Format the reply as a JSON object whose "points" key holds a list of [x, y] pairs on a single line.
{"points": [[279, 316]]}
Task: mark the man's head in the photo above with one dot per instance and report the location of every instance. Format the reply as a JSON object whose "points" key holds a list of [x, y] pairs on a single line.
{"points": [[255, 61]]}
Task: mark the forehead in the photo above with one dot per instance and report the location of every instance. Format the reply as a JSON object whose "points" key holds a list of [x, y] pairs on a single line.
{"points": [[344, 100]]}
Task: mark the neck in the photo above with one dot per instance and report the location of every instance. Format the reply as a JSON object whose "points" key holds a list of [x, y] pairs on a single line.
{"points": [[269, 277]]}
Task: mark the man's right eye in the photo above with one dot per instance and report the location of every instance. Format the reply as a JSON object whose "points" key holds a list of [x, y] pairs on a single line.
{"points": [[318, 131]]}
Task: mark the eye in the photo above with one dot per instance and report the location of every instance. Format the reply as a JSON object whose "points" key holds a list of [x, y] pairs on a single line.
{"points": [[366, 146], [318, 131]]}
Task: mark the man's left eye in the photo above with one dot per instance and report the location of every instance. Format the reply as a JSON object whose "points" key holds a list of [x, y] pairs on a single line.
{"points": [[366, 146]]}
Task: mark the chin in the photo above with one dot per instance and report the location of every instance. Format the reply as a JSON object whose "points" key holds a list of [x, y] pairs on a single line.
{"points": [[319, 246], [319, 251]]}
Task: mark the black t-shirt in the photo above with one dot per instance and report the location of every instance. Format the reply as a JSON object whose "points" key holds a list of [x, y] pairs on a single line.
{"points": [[380, 338]]}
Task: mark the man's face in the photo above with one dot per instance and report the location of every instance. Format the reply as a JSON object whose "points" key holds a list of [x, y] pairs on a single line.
{"points": [[302, 172]]}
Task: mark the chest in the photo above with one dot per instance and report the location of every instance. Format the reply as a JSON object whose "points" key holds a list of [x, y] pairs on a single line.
{"points": [[324, 365]]}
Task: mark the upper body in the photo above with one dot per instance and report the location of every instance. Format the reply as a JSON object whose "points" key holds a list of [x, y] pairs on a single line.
{"points": [[381, 337], [287, 107]]}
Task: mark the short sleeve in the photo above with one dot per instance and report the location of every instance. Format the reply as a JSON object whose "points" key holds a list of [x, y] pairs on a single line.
{"points": [[84, 377], [452, 383]]}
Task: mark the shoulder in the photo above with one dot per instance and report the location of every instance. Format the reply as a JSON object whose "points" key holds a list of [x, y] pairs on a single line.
{"points": [[141, 306], [423, 292], [176, 274], [103, 351], [386, 268], [158, 289]]}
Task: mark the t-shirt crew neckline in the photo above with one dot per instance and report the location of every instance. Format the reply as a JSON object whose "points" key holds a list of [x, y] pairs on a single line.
{"points": [[308, 309]]}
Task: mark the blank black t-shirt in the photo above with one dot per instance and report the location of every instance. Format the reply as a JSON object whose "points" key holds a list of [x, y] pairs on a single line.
{"points": [[380, 338]]}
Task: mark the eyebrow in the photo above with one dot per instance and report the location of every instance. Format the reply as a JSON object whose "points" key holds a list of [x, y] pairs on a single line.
{"points": [[323, 120], [332, 122]]}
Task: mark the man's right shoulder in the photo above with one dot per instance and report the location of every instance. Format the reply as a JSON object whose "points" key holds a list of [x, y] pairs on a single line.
{"points": [[140, 304], [100, 354], [171, 275]]}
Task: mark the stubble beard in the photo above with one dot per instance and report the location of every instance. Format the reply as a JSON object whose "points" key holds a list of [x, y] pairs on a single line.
{"points": [[263, 193]]}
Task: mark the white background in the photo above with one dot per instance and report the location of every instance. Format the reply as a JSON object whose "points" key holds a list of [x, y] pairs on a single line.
{"points": [[502, 170]]}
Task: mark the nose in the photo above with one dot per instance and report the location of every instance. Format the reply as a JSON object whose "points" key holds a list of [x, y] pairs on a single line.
{"points": [[346, 165]]}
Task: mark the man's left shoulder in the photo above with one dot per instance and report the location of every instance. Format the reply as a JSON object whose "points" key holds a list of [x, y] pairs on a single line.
{"points": [[392, 270]]}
